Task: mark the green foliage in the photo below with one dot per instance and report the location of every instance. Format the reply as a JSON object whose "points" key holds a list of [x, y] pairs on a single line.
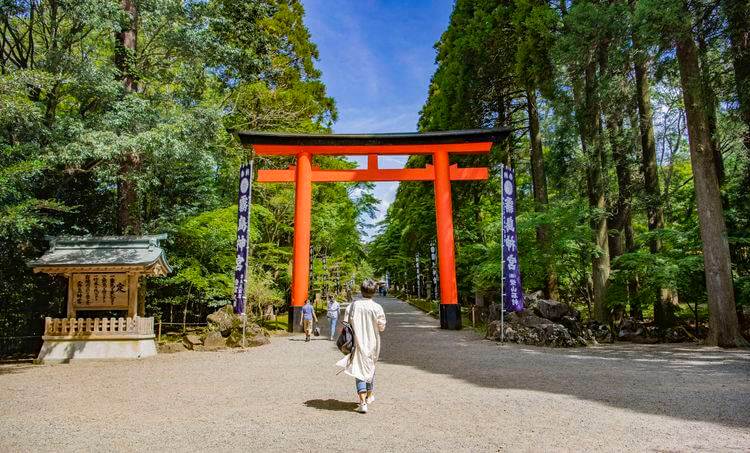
{"points": [[490, 54], [68, 127]]}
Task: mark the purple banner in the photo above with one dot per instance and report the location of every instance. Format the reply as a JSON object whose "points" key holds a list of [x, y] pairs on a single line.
{"points": [[243, 230], [513, 297]]}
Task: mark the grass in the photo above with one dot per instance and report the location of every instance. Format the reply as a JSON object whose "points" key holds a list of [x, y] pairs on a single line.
{"points": [[280, 323]]}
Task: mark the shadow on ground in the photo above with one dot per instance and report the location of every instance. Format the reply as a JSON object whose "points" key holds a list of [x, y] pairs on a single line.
{"points": [[683, 381], [331, 405]]}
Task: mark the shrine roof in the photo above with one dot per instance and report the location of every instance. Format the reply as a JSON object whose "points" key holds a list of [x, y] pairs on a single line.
{"points": [[401, 138], [104, 252]]}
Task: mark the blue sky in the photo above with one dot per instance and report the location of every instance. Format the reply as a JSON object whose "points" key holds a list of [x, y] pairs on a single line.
{"points": [[377, 58]]}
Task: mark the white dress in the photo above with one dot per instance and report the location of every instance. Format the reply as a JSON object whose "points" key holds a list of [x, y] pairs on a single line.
{"points": [[367, 319]]}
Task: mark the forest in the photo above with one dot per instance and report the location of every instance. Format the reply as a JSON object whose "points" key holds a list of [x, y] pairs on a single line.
{"points": [[115, 119], [631, 149]]}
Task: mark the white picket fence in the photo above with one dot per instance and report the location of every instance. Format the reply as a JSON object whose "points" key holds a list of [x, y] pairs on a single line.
{"points": [[98, 327]]}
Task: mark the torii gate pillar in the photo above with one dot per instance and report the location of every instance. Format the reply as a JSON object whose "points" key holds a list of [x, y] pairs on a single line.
{"points": [[302, 223], [450, 312], [437, 144]]}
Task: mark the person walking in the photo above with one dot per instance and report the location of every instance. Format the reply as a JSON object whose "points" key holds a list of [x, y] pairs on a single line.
{"points": [[332, 314], [306, 321], [367, 320]]}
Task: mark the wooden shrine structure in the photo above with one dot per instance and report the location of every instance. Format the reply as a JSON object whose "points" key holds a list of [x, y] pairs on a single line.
{"points": [[438, 145], [104, 275]]}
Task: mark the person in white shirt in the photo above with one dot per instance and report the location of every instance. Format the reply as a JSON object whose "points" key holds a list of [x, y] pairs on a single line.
{"points": [[332, 314], [367, 319]]}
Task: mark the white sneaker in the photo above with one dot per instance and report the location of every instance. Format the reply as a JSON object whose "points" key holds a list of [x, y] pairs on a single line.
{"points": [[362, 408], [370, 399]]}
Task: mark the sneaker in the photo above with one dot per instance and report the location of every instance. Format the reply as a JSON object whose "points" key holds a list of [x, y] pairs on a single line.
{"points": [[370, 399], [362, 408]]}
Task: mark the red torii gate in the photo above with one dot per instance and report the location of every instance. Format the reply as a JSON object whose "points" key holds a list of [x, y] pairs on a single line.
{"points": [[437, 144]]}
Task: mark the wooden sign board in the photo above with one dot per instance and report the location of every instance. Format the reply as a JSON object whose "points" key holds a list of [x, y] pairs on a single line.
{"points": [[99, 291]]}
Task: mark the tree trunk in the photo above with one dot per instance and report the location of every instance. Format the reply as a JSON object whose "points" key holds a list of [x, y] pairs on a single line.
{"points": [[710, 104], [125, 47], [589, 120], [663, 307], [128, 209], [621, 224], [539, 182], [723, 325], [738, 18]]}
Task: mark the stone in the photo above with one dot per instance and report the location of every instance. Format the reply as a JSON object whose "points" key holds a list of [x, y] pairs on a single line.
{"points": [[628, 324], [268, 313], [214, 340], [191, 340], [557, 335], [677, 335], [643, 339], [68, 350], [629, 335], [572, 325], [254, 336], [224, 320], [527, 319], [172, 347], [552, 309], [600, 332], [536, 295]]}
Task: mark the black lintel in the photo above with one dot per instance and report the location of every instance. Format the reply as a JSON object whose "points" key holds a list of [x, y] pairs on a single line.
{"points": [[405, 138]]}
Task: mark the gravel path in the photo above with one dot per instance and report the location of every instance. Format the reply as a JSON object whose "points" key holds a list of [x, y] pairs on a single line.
{"points": [[436, 390]]}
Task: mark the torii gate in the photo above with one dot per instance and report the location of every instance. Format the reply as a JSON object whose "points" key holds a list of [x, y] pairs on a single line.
{"points": [[437, 144]]}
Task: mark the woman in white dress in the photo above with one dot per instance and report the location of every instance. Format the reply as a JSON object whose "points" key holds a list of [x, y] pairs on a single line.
{"points": [[367, 319]]}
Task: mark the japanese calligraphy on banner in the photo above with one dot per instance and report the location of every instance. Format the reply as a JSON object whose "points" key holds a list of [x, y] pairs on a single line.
{"points": [[100, 291], [513, 298], [243, 229]]}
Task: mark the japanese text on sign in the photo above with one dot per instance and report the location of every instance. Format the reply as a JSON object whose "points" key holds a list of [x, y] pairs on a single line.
{"points": [[100, 291]]}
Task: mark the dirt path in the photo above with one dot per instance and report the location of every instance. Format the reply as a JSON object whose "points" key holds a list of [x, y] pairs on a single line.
{"points": [[436, 390]]}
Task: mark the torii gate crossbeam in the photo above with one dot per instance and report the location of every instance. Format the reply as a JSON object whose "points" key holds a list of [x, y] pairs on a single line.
{"points": [[437, 144]]}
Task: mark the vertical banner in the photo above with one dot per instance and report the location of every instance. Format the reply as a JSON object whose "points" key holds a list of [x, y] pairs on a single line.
{"points": [[435, 276], [513, 298], [243, 230]]}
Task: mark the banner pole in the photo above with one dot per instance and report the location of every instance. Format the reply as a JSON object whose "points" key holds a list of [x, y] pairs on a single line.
{"points": [[502, 257], [249, 209]]}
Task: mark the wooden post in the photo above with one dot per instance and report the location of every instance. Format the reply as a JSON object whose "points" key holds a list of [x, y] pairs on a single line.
{"points": [[71, 311], [132, 294]]}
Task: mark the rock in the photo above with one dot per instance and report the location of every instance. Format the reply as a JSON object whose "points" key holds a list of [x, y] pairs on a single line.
{"points": [[677, 335], [553, 310], [538, 332], [254, 336], [493, 330], [572, 325], [268, 314], [214, 341], [600, 332], [557, 335], [536, 295], [643, 339], [224, 320], [191, 341], [169, 348], [629, 335], [525, 318], [628, 324]]}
